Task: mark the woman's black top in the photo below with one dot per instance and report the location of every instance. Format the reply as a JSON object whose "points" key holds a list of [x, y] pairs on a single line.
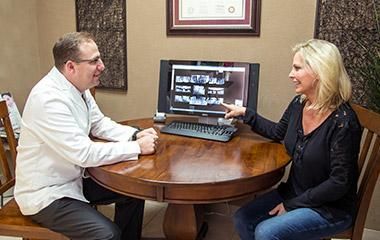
{"points": [[324, 170]]}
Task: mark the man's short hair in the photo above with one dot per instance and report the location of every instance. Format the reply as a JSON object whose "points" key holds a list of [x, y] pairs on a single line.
{"points": [[67, 47]]}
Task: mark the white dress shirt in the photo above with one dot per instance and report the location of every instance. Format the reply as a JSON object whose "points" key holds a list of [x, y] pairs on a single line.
{"points": [[55, 148]]}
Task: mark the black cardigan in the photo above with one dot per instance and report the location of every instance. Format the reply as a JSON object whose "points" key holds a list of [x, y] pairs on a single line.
{"points": [[324, 170]]}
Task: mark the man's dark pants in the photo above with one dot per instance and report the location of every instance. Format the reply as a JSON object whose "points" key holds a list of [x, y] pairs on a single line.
{"points": [[78, 220]]}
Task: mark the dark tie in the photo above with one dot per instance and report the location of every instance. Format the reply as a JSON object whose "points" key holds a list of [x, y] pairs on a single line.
{"points": [[84, 99]]}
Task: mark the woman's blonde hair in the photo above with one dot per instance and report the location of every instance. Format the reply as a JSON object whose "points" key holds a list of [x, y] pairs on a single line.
{"points": [[333, 85]]}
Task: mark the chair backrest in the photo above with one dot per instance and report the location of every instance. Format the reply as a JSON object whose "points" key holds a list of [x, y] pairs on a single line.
{"points": [[369, 164], [6, 168]]}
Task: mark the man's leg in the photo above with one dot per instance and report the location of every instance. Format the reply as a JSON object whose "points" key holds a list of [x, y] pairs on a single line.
{"points": [[300, 224], [256, 211], [129, 211], [76, 220]]}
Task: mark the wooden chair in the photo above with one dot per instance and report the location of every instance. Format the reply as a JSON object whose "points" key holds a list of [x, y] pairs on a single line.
{"points": [[12, 222], [7, 179], [369, 167]]}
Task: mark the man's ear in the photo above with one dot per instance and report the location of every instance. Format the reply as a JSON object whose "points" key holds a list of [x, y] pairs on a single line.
{"points": [[69, 67]]}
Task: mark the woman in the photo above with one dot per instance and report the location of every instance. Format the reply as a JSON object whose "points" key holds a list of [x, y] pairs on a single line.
{"points": [[322, 135]]}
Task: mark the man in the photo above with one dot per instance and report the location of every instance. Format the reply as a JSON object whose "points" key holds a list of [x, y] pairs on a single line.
{"points": [[55, 148]]}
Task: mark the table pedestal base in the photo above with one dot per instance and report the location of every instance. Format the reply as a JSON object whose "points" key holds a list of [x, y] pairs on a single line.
{"points": [[182, 221]]}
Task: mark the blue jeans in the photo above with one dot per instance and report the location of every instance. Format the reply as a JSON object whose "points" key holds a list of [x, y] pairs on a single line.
{"points": [[252, 221]]}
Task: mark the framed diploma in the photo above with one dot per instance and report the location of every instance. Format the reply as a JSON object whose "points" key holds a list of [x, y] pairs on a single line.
{"points": [[213, 17]]}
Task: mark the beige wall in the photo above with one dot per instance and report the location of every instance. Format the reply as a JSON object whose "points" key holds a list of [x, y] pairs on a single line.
{"points": [[54, 17], [148, 43], [28, 30], [40, 22], [19, 43]]}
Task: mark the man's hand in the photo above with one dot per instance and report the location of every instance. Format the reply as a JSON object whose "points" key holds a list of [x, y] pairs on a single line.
{"points": [[147, 132], [147, 140], [233, 110], [278, 210]]}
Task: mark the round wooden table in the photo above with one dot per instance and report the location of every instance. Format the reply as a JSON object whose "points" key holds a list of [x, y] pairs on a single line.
{"points": [[187, 171]]}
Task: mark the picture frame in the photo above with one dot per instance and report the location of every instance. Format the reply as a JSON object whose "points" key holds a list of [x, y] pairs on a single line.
{"points": [[213, 17], [106, 20]]}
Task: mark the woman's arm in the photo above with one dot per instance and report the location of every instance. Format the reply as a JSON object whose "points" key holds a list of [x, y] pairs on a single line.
{"points": [[267, 128]]}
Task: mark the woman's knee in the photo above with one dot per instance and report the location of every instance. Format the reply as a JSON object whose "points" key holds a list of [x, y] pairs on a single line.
{"points": [[265, 231]]}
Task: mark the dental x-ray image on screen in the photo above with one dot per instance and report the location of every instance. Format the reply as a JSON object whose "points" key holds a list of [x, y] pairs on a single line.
{"points": [[199, 87]]}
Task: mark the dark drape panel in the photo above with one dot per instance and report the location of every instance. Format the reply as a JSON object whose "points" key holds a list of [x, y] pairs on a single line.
{"points": [[353, 27]]}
